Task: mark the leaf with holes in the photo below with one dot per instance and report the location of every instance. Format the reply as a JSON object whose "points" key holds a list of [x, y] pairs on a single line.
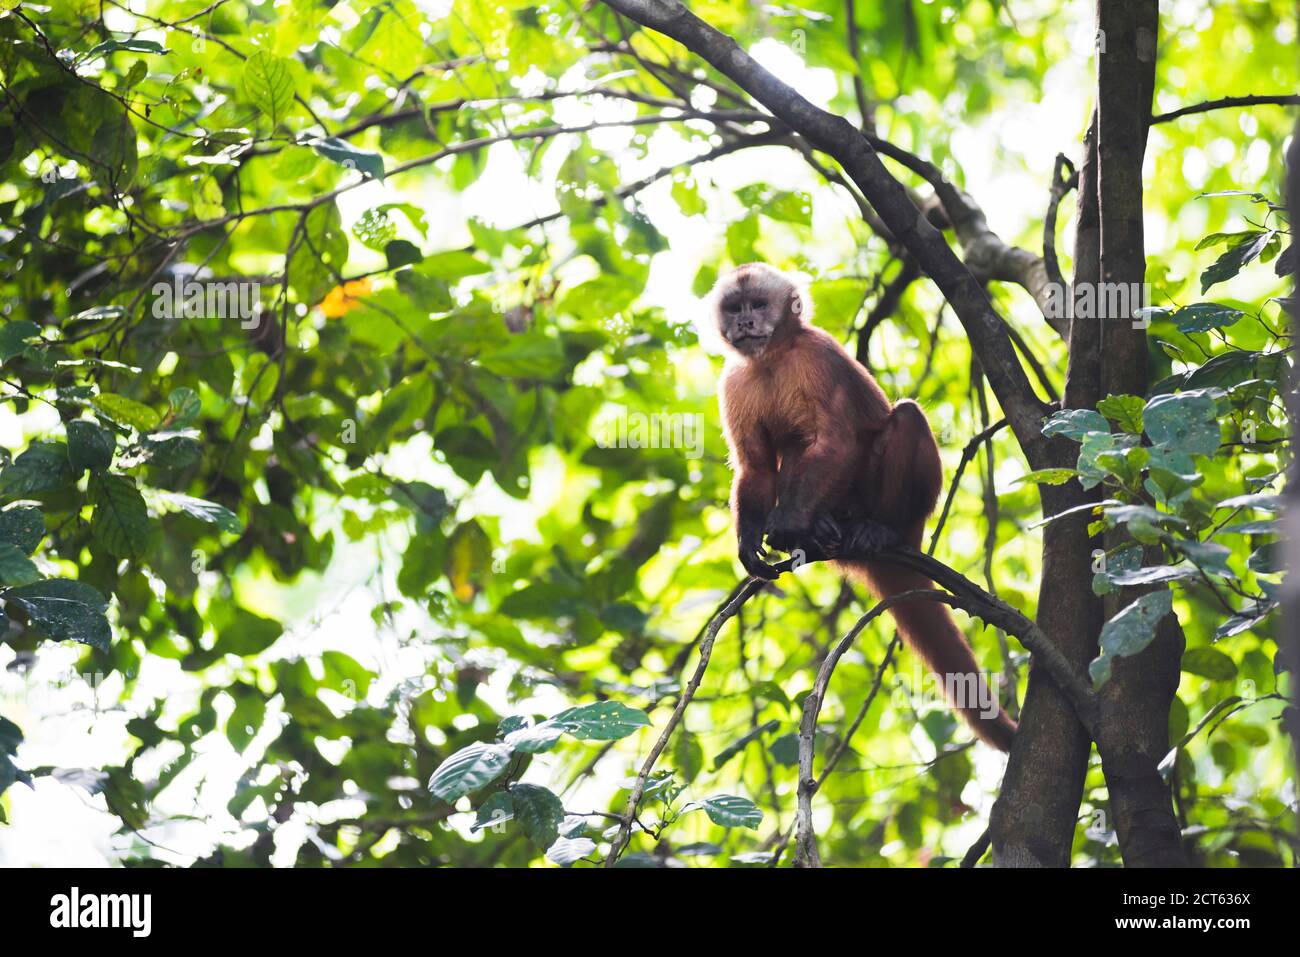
{"points": [[602, 721]]}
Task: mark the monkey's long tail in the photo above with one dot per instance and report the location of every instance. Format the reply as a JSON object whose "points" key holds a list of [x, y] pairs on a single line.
{"points": [[929, 629]]}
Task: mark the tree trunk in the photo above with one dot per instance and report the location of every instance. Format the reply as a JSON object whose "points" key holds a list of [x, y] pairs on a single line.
{"points": [[1133, 735], [1034, 818], [1290, 649]]}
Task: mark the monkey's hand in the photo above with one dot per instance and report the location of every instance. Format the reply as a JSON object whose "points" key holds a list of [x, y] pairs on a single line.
{"points": [[752, 555], [786, 531]]}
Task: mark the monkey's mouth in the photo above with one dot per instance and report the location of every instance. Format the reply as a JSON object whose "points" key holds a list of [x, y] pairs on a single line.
{"points": [[748, 337]]}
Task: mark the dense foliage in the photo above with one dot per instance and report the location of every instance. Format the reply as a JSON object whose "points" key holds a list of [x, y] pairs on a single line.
{"points": [[362, 574]]}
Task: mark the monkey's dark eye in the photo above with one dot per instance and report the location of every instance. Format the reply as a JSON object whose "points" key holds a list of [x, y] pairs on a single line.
{"points": [[760, 303], [732, 307]]}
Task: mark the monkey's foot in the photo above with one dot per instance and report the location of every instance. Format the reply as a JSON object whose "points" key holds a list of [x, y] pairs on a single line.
{"points": [[753, 558], [866, 537]]}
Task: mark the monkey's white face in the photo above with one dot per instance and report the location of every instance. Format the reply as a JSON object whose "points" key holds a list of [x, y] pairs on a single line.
{"points": [[747, 318]]}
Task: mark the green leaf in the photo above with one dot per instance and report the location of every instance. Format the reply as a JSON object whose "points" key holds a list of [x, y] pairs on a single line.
{"points": [[401, 253], [469, 769], [535, 739], [1204, 316], [1130, 631], [728, 810], [199, 508], [247, 634], [349, 156], [688, 756], [731, 750], [65, 609], [495, 811], [1209, 663], [268, 84], [601, 721], [1232, 261], [1124, 410], [1186, 422], [1048, 476], [112, 46], [15, 567], [183, 407], [569, 850], [528, 355], [41, 468], [1075, 423], [126, 412], [23, 527], [120, 521], [15, 336], [539, 811], [1209, 556], [468, 559], [90, 446]]}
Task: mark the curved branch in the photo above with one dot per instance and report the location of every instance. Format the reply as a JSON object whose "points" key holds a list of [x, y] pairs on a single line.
{"points": [[1208, 105], [1064, 178]]}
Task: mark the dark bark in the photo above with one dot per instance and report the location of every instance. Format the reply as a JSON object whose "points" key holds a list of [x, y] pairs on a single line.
{"points": [[1034, 818], [1134, 727], [1291, 584]]}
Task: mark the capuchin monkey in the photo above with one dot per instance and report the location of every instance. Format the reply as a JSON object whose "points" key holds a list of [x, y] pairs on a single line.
{"points": [[825, 464]]}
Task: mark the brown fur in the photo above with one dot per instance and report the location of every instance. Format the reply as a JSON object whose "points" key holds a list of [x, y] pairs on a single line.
{"points": [[811, 433]]}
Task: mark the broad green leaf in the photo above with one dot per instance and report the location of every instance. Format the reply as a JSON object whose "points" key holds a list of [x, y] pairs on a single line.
{"points": [[1048, 476], [728, 810], [41, 468], [350, 157], [23, 527], [127, 412], [1186, 422], [1124, 410], [496, 811], [534, 738], [1209, 663], [15, 567], [203, 510], [601, 721], [469, 769], [1130, 631], [468, 560], [90, 446], [1075, 423], [569, 850], [268, 85], [1232, 261], [1204, 316], [120, 521], [538, 811], [64, 609]]}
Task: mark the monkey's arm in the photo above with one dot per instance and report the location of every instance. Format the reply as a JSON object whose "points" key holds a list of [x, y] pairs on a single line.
{"points": [[812, 480], [753, 493]]}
